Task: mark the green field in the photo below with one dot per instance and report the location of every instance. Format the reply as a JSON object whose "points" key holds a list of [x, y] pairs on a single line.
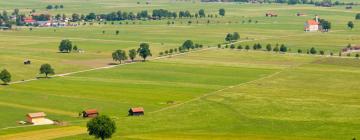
{"points": [[205, 94]]}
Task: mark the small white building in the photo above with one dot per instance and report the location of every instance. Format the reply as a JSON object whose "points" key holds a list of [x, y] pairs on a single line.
{"points": [[312, 25], [38, 118]]}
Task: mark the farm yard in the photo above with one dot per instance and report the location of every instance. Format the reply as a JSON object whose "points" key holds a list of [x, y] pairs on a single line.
{"points": [[213, 92]]}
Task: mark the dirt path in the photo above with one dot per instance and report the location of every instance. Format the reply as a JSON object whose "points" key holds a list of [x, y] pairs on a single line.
{"points": [[215, 92]]}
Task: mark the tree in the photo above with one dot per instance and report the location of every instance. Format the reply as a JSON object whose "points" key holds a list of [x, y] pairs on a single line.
{"points": [[268, 47], [229, 37], [75, 17], [276, 49], [357, 56], [117, 32], [236, 36], [132, 54], [119, 55], [357, 17], [46, 69], [247, 47], [313, 50], [299, 51], [101, 127], [144, 50], [239, 47], [201, 13], [326, 25], [222, 12], [65, 46], [75, 48], [322, 52], [188, 44], [5, 76], [350, 24], [283, 48], [49, 7], [232, 46]]}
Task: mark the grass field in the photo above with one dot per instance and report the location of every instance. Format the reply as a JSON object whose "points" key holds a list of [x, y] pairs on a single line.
{"points": [[207, 94]]}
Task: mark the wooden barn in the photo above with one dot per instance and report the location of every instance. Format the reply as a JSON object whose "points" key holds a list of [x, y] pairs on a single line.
{"points": [[38, 118], [90, 113], [271, 14], [137, 111]]}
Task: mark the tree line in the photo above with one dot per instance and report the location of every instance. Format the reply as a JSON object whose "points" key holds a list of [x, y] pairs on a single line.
{"points": [[143, 51], [281, 49], [186, 46], [144, 14], [49, 7]]}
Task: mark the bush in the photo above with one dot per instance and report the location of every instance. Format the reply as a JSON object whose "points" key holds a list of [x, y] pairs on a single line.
{"points": [[313, 50], [299, 51]]}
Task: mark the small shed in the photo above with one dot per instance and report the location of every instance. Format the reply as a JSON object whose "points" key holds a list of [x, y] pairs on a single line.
{"points": [[38, 118], [27, 62], [136, 111], [90, 113], [271, 14]]}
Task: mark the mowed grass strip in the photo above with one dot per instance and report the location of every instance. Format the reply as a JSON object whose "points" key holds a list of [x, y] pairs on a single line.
{"points": [[46, 134]]}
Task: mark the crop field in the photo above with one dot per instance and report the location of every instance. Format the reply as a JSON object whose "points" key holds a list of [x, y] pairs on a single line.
{"points": [[208, 93]]}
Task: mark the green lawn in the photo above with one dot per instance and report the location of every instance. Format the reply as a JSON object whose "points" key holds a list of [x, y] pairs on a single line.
{"points": [[209, 94]]}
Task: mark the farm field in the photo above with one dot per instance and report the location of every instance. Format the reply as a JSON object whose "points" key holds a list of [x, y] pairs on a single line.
{"points": [[208, 93]]}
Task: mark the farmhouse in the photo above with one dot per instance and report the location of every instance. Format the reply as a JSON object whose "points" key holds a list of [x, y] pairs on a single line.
{"points": [[271, 14], [38, 118], [90, 113], [137, 111], [312, 25]]}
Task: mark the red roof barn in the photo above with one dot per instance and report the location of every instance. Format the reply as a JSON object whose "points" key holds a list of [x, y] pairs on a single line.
{"points": [[90, 113], [136, 111]]}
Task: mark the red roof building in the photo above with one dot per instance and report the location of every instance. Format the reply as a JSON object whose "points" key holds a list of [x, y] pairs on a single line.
{"points": [[29, 20], [136, 111], [90, 113], [312, 25]]}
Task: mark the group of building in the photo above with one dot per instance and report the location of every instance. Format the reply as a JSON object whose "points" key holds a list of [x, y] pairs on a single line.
{"points": [[48, 23], [39, 118]]}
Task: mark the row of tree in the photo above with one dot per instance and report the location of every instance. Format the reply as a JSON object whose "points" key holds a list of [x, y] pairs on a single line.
{"points": [[282, 48], [144, 14], [186, 46], [49, 7], [258, 46], [46, 69], [143, 51]]}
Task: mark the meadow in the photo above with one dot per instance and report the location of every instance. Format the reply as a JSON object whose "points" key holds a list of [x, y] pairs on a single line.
{"points": [[215, 93]]}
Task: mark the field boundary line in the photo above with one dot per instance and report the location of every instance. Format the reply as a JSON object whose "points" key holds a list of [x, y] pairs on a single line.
{"points": [[215, 92]]}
